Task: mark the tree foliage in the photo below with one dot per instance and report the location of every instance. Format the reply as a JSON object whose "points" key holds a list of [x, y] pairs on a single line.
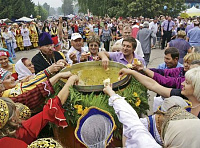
{"points": [[46, 7], [67, 7], [16, 8], [42, 13], [146, 8], [59, 11], [52, 11]]}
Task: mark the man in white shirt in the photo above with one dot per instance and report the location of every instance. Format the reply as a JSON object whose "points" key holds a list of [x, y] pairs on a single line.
{"points": [[75, 53], [154, 27], [127, 30]]}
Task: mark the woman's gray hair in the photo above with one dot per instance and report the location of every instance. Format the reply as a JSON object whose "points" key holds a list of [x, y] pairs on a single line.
{"points": [[193, 75], [146, 24]]}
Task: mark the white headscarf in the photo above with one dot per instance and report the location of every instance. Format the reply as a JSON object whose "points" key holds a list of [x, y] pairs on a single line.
{"points": [[95, 131], [22, 70], [183, 134]]}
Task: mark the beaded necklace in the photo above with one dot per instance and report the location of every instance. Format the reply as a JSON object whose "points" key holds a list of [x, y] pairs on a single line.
{"points": [[49, 62], [159, 124]]}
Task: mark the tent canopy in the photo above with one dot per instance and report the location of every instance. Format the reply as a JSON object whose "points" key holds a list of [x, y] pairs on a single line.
{"points": [[24, 19], [6, 20], [70, 16], [193, 11]]}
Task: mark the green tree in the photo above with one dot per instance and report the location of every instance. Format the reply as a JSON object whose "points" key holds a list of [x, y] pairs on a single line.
{"points": [[46, 7], [67, 7], [19, 9], [16, 8], [146, 8], [42, 14], [30, 8], [59, 11]]}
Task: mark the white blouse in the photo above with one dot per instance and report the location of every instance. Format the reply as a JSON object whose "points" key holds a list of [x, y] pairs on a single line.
{"points": [[137, 135], [146, 124]]}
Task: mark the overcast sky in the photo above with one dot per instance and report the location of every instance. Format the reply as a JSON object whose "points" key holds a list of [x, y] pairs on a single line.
{"points": [[52, 3]]}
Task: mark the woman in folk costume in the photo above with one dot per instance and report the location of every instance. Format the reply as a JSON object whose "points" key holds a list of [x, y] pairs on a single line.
{"points": [[14, 42], [2, 39], [7, 35], [19, 38], [25, 69], [179, 128], [152, 122], [27, 131], [33, 34], [54, 30], [31, 91], [46, 27], [7, 63], [25, 35]]}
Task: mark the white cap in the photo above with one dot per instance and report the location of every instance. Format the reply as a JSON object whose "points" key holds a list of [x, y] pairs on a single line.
{"points": [[76, 36]]}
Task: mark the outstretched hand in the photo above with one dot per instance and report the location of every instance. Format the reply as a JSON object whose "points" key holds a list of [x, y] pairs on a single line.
{"points": [[138, 67], [73, 80], [124, 71], [105, 63], [65, 75], [108, 90], [55, 67]]}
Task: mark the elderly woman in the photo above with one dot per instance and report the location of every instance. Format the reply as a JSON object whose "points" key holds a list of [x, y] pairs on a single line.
{"points": [[126, 56], [29, 93], [7, 63], [190, 88], [25, 70], [94, 44]]}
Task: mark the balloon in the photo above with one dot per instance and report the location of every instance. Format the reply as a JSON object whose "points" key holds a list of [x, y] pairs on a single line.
{"points": [[165, 7]]}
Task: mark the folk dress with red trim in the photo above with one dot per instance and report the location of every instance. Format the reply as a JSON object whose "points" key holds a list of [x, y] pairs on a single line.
{"points": [[52, 112], [35, 97]]}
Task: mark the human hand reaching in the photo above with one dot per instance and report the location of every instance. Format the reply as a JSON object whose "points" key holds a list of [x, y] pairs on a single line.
{"points": [[108, 90]]}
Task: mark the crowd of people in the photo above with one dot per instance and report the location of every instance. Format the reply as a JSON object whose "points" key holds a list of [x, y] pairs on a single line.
{"points": [[66, 42]]}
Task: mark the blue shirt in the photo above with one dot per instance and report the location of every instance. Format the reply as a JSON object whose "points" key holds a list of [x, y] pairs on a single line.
{"points": [[165, 24], [182, 46], [96, 30], [194, 36], [164, 66]]}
